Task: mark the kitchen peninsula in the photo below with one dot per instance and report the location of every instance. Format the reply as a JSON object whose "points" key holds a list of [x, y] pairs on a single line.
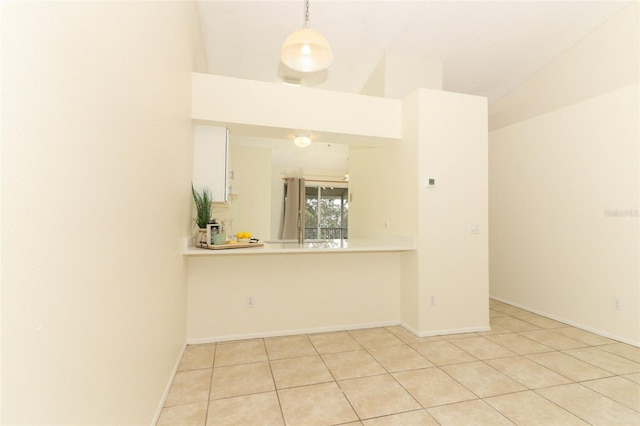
{"points": [[283, 289], [418, 166]]}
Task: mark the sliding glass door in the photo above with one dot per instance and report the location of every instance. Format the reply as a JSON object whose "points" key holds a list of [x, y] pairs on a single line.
{"points": [[326, 213]]}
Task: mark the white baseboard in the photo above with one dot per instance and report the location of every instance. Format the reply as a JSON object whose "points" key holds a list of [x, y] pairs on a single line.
{"points": [[569, 322], [409, 328], [167, 388], [447, 331], [214, 339], [197, 341], [454, 331]]}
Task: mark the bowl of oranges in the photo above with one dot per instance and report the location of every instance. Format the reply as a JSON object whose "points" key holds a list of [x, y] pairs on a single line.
{"points": [[243, 237]]}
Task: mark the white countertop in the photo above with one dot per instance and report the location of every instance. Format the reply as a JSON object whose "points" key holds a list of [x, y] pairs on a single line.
{"points": [[327, 246]]}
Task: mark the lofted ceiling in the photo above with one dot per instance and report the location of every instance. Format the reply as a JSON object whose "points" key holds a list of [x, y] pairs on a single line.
{"points": [[487, 47]]}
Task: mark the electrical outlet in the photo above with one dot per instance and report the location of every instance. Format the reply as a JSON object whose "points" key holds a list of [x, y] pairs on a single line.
{"points": [[616, 304], [433, 300], [250, 301]]}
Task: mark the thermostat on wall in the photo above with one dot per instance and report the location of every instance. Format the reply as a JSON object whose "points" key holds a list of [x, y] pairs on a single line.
{"points": [[429, 182]]}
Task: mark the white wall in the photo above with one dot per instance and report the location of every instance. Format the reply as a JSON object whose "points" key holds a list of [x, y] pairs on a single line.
{"points": [[556, 172], [454, 263], [96, 165], [444, 137], [604, 60], [250, 204], [553, 246], [384, 182], [292, 293], [405, 169], [277, 203], [371, 192], [397, 76]]}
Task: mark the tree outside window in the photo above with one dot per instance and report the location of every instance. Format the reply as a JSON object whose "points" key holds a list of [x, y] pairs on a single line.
{"points": [[326, 213]]}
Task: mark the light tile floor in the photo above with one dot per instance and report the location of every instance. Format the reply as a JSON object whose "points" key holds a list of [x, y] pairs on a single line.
{"points": [[528, 370]]}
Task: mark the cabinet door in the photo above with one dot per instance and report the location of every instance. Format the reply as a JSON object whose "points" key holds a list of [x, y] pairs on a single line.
{"points": [[210, 160]]}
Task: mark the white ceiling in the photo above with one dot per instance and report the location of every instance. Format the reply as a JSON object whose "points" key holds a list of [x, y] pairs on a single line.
{"points": [[486, 47]]}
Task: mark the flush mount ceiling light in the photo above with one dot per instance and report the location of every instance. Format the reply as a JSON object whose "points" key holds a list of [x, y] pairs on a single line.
{"points": [[302, 140], [306, 50]]}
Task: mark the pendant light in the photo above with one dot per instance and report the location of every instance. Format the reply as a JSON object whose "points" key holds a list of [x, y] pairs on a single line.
{"points": [[306, 50]]}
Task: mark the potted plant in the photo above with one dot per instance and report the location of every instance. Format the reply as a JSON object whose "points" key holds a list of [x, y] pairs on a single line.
{"points": [[203, 202]]}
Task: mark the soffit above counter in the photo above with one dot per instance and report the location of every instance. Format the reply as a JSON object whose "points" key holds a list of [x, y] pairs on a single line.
{"points": [[254, 108]]}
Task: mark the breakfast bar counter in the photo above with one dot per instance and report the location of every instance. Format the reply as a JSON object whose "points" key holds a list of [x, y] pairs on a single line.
{"points": [[386, 244]]}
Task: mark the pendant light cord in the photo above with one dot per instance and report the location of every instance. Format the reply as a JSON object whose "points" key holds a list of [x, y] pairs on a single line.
{"points": [[306, 18]]}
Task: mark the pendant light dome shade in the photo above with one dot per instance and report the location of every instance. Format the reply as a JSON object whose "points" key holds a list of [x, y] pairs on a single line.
{"points": [[306, 50]]}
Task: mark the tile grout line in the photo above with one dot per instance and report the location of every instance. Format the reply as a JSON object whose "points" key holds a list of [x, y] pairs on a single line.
{"points": [[605, 396], [394, 378], [535, 390], [576, 382], [596, 366], [560, 406], [273, 378], [334, 377], [213, 363]]}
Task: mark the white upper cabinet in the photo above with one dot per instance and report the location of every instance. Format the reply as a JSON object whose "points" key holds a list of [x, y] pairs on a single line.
{"points": [[211, 160]]}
